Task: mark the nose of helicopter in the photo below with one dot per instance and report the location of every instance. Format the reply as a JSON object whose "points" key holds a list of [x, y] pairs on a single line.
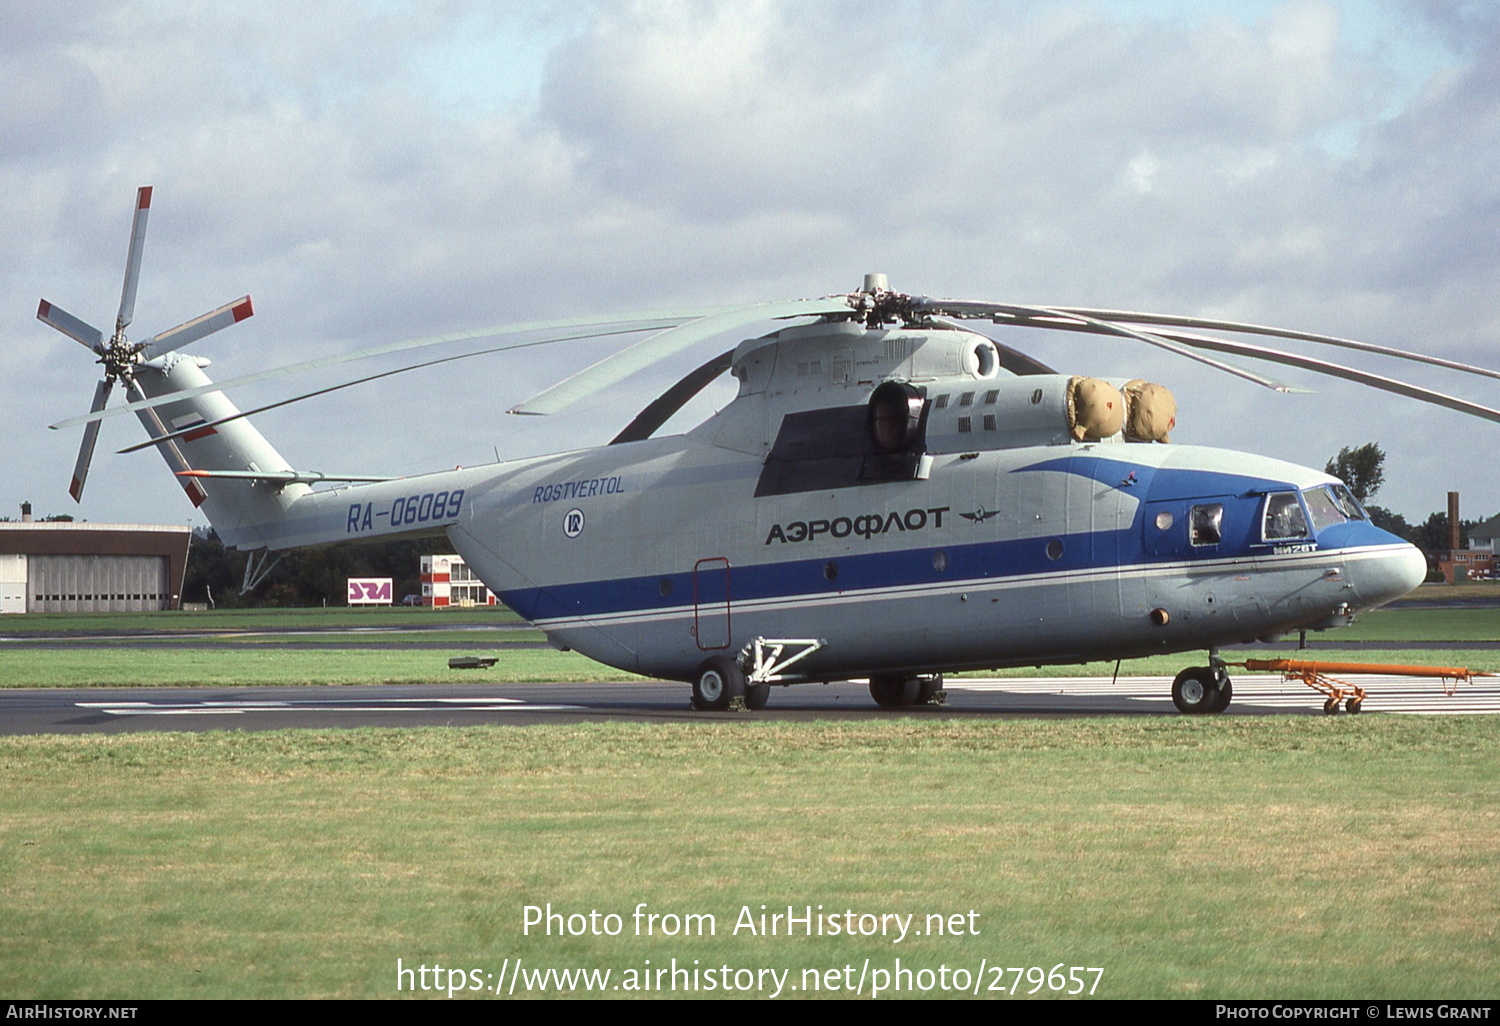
{"points": [[1394, 573]]}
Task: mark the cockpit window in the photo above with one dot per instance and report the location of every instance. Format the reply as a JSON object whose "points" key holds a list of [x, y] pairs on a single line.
{"points": [[1207, 524], [1326, 508], [1284, 517], [1347, 503]]}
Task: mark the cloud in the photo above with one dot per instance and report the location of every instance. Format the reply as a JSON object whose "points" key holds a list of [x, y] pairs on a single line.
{"points": [[638, 155]]}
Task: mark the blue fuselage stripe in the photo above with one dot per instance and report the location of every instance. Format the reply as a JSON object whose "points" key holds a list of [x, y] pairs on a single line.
{"points": [[994, 560]]}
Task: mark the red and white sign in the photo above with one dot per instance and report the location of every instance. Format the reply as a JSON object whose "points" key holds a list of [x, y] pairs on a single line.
{"points": [[370, 591]]}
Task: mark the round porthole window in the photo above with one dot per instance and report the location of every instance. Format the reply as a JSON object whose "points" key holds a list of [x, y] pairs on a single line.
{"points": [[1163, 520], [1055, 549]]}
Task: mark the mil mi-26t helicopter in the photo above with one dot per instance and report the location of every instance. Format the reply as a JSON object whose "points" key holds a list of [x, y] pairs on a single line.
{"points": [[890, 496]]}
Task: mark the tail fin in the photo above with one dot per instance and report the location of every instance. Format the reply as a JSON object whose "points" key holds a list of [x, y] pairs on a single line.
{"points": [[245, 512]]}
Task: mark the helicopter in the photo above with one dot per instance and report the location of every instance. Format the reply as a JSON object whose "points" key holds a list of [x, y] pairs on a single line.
{"points": [[891, 496]]}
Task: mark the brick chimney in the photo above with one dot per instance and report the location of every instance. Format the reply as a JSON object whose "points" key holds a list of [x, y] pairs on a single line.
{"points": [[1452, 521]]}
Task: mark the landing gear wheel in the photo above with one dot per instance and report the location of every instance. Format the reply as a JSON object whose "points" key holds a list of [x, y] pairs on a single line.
{"points": [[756, 695], [929, 688], [719, 682], [1223, 693], [893, 692], [1195, 690]]}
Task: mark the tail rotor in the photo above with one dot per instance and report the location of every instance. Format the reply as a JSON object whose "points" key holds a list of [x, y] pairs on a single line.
{"points": [[120, 357]]}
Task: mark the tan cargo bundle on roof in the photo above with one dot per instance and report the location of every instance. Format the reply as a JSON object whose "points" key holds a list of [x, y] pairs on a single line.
{"points": [[1096, 410], [1151, 411]]}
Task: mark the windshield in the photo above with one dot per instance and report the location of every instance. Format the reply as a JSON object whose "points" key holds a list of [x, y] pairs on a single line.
{"points": [[1347, 502], [1332, 504]]}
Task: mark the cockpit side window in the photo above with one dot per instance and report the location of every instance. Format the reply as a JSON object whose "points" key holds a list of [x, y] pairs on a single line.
{"points": [[1207, 524], [1284, 518]]}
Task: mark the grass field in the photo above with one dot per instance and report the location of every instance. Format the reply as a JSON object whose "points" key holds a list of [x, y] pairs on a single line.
{"points": [[1186, 857], [1228, 857]]}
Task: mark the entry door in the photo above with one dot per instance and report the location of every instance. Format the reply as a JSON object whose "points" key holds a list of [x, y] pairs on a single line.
{"points": [[711, 603]]}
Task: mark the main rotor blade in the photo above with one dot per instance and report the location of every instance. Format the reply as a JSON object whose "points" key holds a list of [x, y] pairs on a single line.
{"points": [[192, 331], [620, 365], [1254, 352], [1335, 370], [661, 410], [90, 436], [170, 452], [133, 259], [171, 437], [646, 321], [1050, 317], [79, 331], [1132, 317]]}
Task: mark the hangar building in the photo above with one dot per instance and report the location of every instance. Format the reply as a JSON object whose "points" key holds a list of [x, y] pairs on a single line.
{"points": [[61, 567]]}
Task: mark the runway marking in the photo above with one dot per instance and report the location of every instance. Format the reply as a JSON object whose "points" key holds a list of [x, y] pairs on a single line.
{"points": [[336, 705], [1413, 696]]}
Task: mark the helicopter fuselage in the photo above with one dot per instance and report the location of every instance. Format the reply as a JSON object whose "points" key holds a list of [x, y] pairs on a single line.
{"points": [[889, 495], [981, 532]]}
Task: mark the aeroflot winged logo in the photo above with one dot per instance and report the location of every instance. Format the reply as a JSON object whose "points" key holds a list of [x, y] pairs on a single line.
{"points": [[980, 515], [867, 526]]}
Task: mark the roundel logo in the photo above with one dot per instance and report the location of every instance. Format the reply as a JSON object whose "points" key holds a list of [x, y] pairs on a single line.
{"points": [[573, 523]]}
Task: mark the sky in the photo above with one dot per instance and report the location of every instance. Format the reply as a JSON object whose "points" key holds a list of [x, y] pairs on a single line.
{"points": [[371, 172]]}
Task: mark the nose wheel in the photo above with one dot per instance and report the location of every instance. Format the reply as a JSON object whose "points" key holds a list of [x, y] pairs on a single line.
{"points": [[1202, 689]]}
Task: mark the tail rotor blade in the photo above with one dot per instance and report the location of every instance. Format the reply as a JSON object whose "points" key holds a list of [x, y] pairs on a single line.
{"points": [[90, 436], [133, 259], [79, 331], [192, 331]]}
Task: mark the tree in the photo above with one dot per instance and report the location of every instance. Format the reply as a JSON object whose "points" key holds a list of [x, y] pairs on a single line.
{"points": [[1361, 469]]}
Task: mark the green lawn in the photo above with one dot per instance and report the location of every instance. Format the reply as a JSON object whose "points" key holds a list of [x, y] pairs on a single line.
{"points": [[1355, 857]]}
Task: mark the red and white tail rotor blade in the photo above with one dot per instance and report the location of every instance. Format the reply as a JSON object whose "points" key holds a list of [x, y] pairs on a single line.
{"points": [[192, 331], [80, 331], [133, 260], [90, 436]]}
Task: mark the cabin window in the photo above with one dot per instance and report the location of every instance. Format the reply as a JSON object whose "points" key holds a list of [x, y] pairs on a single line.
{"points": [[1284, 518], [1207, 524]]}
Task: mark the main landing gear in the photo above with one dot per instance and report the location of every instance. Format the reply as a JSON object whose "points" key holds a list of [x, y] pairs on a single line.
{"points": [[1203, 689], [893, 692], [720, 682], [744, 681]]}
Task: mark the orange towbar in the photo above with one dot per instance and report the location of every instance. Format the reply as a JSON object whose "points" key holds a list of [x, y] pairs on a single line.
{"points": [[1315, 674]]}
